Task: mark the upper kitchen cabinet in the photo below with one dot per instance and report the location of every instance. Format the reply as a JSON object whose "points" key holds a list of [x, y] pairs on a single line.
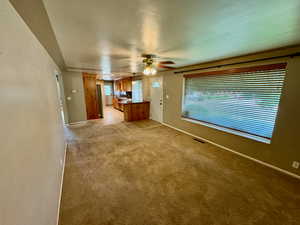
{"points": [[124, 84], [127, 84]]}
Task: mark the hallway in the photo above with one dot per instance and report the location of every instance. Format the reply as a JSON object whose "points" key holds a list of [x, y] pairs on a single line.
{"points": [[144, 173], [111, 115]]}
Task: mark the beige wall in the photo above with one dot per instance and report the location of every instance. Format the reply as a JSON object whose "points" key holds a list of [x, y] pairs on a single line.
{"points": [[31, 131], [285, 145], [146, 88], [34, 14], [76, 106]]}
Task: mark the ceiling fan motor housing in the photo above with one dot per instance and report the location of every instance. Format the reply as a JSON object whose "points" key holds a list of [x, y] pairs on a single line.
{"points": [[148, 61]]}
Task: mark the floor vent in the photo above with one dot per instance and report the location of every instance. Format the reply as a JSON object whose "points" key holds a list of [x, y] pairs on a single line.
{"points": [[199, 140]]}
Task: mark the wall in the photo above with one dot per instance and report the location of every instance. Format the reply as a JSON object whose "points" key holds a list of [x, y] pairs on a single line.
{"points": [[31, 131], [34, 14], [146, 88], [76, 106], [285, 144]]}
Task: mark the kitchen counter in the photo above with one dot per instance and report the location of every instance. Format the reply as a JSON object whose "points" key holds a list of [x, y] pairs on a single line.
{"points": [[118, 102], [132, 102], [136, 110]]}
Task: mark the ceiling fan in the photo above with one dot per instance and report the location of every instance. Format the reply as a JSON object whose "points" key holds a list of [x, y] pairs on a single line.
{"points": [[151, 64]]}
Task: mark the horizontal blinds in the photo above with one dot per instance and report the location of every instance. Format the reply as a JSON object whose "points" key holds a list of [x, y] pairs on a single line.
{"points": [[245, 101], [137, 91]]}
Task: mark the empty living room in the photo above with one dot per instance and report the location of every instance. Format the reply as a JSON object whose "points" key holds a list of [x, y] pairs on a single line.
{"points": [[138, 112]]}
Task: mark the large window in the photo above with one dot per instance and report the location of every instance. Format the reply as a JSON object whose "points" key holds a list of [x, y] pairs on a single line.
{"points": [[244, 100], [108, 89], [137, 91]]}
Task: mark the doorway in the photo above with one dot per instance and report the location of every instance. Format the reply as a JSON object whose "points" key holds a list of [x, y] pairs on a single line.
{"points": [[108, 93], [60, 97], [156, 94], [99, 99]]}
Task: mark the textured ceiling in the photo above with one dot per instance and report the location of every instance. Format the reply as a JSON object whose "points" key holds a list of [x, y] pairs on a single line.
{"points": [[111, 35]]}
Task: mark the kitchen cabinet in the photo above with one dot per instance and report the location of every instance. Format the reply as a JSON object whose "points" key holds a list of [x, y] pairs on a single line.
{"points": [[115, 103], [127, 84], [136, 111], [123, 84]]}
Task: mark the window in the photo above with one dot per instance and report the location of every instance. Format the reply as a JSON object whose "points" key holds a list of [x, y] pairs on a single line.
{"points": [[243, 101], [108, 89], [155, 84], [137, 91]]}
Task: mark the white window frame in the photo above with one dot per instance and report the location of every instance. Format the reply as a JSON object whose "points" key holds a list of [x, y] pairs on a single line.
{"points": [[220, 128]]}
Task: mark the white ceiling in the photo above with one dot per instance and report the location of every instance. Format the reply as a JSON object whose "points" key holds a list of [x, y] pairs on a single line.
{"points": [[110, 35]]}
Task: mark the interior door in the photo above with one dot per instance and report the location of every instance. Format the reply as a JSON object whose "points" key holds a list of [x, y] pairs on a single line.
{"points": [[91, 98], [156, 94]]}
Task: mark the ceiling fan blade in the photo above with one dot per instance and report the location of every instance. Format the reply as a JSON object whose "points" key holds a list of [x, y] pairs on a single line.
{"points": [[166, 62], [165, 67]]}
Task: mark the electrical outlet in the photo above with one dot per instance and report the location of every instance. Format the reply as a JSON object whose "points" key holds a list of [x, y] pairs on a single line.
{"points": [[295, 164]]}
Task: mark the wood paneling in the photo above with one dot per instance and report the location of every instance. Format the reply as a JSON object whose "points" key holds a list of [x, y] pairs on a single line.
{"points": [[91, 97], [136, 111]]}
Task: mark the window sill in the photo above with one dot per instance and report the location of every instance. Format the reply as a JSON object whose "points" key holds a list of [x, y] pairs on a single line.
{"points": [[238, 133]]}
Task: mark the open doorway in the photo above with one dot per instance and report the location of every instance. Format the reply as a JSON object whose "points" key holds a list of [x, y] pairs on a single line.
{"points": [[99, 99], [105, 91], [108, 93], [60, 97]]}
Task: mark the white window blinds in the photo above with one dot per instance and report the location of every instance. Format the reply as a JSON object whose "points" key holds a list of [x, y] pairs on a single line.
{"points": [[108, 89], [244, 99], [137, 91]]}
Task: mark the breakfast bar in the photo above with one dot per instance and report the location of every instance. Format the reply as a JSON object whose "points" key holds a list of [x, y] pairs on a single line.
{"points": [[136, 110]]}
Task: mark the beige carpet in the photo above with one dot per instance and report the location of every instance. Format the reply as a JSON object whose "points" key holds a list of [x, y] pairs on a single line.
{"points": [[143, 173]]}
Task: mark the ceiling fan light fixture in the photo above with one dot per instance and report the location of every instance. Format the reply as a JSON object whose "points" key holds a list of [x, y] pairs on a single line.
{"points": [[149, 70]]}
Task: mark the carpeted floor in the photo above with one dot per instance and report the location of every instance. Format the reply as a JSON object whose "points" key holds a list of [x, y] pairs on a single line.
{"points": [[143, 173]]}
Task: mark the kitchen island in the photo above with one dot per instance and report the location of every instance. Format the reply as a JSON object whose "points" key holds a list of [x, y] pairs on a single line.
{"points": [[135, 110]]}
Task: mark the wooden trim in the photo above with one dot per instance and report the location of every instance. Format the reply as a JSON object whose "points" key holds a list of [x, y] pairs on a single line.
{"points": [[82, 69], [89, 75], [239, 70], [240, 58]]}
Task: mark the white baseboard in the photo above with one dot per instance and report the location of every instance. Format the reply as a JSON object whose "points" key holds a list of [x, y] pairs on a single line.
{"points": [[238, 153], [77, 123], [61, 183], [82, 122]]}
